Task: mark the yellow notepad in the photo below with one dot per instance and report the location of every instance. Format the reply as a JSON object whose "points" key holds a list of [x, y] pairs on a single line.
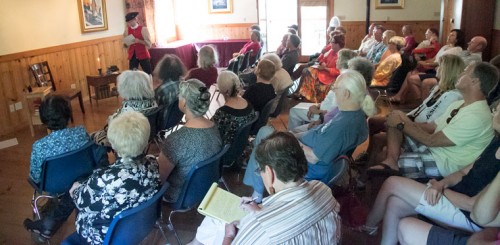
{"points": [[221, 205]]}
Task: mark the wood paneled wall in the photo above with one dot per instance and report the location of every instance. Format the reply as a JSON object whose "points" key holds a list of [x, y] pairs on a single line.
{"points": [[69, 64], [356, 30], [495, 43]]}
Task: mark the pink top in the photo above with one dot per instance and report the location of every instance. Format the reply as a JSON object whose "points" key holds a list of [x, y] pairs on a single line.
{"points": [[254, 46]]}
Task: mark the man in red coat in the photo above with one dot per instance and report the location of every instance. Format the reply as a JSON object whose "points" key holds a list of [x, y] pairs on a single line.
{"points": [[136, 37]]}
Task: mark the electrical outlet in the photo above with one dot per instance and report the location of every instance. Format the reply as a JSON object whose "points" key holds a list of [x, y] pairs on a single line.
{"points": [[12, 108], [18, 106], [73, 86]]}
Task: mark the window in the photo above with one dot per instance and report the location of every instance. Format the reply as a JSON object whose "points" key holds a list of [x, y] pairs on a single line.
{"points": [[165, 21]]}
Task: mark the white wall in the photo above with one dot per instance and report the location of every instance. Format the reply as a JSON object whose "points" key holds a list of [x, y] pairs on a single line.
{"points": [[195, 12], [355, 10], [33, 24]]}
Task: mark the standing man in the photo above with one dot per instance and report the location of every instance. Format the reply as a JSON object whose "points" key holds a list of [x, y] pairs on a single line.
{"points": [[138, 46]]}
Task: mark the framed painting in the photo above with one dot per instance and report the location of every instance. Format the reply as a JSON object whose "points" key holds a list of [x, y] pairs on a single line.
{"points": [[220, 6], [389, 4], [93, 16]]}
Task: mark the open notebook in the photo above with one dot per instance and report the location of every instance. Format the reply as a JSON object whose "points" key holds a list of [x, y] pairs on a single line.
{"points": [[221, 205]]}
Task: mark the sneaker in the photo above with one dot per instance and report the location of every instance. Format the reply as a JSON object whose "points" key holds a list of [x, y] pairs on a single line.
{"points": [[44, 227]]}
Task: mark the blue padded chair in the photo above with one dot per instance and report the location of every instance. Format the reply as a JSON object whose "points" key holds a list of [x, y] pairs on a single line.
{"points": [[264, 115], [196, 185], [171, 116], [339, 168], [281, 102], [130, 226], [245, 62], [75, 165]]}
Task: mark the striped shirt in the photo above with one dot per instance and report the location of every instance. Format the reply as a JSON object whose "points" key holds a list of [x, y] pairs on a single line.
{"points": [[306, 214]]}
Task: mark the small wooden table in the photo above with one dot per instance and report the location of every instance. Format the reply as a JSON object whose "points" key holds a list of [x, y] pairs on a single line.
{"points": [[100, 86], [34, 113]]}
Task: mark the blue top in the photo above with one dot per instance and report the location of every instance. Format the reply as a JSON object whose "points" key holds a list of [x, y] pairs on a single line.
{"points": [[344, 132], [56, 143]]}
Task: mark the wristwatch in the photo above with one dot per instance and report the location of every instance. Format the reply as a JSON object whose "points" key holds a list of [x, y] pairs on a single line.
{"points": [[400, 126]]}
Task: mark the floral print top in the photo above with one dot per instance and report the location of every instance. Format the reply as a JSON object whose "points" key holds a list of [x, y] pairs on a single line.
{"points": [[229, 120], [56, 143], [109, 191]]}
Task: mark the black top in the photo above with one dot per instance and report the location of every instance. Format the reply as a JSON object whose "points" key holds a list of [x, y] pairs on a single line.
{"points": [[482, 173], [259, 94]]}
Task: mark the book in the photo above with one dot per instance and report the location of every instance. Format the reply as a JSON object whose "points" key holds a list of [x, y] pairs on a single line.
{"points": [[129, 40], [221, 205]]}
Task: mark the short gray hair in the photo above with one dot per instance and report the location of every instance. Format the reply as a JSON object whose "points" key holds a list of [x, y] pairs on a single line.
{"points": [[128, 133], [228, 83], [207, 57], [273, 58], [344, 56], [354, 82], [135, 85], [196, 95], [363, 66]]}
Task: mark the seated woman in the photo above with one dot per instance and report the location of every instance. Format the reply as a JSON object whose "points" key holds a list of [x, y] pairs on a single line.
{"points": [[169, 71], [348, 127], [281, 49], [442, 95], [263, 91], [386, 37], [136, 90], [428, 48], [316, 80], [236, 112], [130, 181], [388, 64], [447, 202], [55, 112], [285, 217], [281, 79], [410, 42], [199, 135], [206, 70], [254, 46], [413, 82], [291, 55]]}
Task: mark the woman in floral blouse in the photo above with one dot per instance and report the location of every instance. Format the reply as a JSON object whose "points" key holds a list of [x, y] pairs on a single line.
{"points": [[136, 89], [236, 112], [131, 180]]}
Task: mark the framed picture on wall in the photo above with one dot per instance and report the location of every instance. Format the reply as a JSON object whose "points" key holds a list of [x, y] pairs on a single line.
{"points": [[220, 6], [389, 4], [93, 16]]}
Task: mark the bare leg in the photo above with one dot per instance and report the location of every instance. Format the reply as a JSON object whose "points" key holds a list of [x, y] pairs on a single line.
{"points": [[402, 91], [376, 147], [427, 85], [412, 231], [486, 236], [394, 141], [399, 196], [414, 88], [375, 125]]}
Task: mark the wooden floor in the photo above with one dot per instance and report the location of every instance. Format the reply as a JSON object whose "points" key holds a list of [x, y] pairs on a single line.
{"points": [[15, 192]]}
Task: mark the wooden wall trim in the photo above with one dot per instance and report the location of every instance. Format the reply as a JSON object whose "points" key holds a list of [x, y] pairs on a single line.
{"points": [[495, 43], [53, 49]]}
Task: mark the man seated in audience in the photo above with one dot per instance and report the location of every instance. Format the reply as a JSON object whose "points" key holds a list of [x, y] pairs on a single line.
{"points": [[474, 50], [485, 212], [376, 51], [409, 40], [453, 140], [368, 41], [281, 49], [447, 202], [263, 91]]}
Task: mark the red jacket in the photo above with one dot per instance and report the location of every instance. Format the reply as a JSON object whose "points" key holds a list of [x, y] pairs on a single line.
{"points": [[331, 73], [141, 52]]}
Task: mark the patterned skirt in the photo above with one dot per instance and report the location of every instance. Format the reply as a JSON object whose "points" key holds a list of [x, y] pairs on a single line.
{"points": [[312, 89]]}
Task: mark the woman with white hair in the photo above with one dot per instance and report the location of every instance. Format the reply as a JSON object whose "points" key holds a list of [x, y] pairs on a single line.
{"points": [[133, 179], [136, 90], [281, 79], [236, 112], [198, 140], [206, 70]]}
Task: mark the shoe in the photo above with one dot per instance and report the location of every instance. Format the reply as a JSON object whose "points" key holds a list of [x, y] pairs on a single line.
{"points": [[386, 170], [44, 227], [370, 230], [362, 157]]}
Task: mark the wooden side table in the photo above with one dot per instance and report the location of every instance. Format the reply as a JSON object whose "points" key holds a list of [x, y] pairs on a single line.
{"points": [[100, 85], [32, 112]]}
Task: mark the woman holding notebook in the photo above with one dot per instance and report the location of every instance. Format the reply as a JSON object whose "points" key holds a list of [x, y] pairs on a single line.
{"points": [[297, 211]]}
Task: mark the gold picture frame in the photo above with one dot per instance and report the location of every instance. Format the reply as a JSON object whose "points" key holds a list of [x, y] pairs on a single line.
{"points": [[93, 15], [220, 6], [389, 4]]}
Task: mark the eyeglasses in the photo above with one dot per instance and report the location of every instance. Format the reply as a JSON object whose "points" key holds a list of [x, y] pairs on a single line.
{"points": [[452, 115]]}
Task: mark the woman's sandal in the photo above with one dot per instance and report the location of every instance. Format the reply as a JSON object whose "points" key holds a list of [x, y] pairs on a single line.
{"points": [[370, 230], [394, 100], [386, 170]]}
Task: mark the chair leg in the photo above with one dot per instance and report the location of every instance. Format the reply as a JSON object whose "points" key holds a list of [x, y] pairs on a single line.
{"points": [[80, 99], [171, 227]]}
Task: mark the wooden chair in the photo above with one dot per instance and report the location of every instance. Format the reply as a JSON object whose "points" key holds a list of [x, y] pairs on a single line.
{"points": [[43, 77]]}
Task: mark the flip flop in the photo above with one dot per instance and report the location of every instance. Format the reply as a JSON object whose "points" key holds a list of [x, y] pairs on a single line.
{"points": [[394, 101], [385, 171]]}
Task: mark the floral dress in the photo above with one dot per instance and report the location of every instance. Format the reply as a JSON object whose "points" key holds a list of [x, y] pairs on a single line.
{"points": [[316, 85], [229, 120], [112, 190]]}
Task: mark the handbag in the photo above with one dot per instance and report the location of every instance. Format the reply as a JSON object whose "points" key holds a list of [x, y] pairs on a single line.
{"points": [[352, 210]]}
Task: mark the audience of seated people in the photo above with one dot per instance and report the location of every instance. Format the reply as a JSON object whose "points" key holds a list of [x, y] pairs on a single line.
{"points": [[389, 63], [441, 96], [236, 111], [447, 202], [410, 42], [261, 92], [286, 216], [55, 112], [316, 80], [177, 155], [206, 70], [169, 72], [452, 141], [281, 79], [131, 180], [136, 90], [348, 127]]}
